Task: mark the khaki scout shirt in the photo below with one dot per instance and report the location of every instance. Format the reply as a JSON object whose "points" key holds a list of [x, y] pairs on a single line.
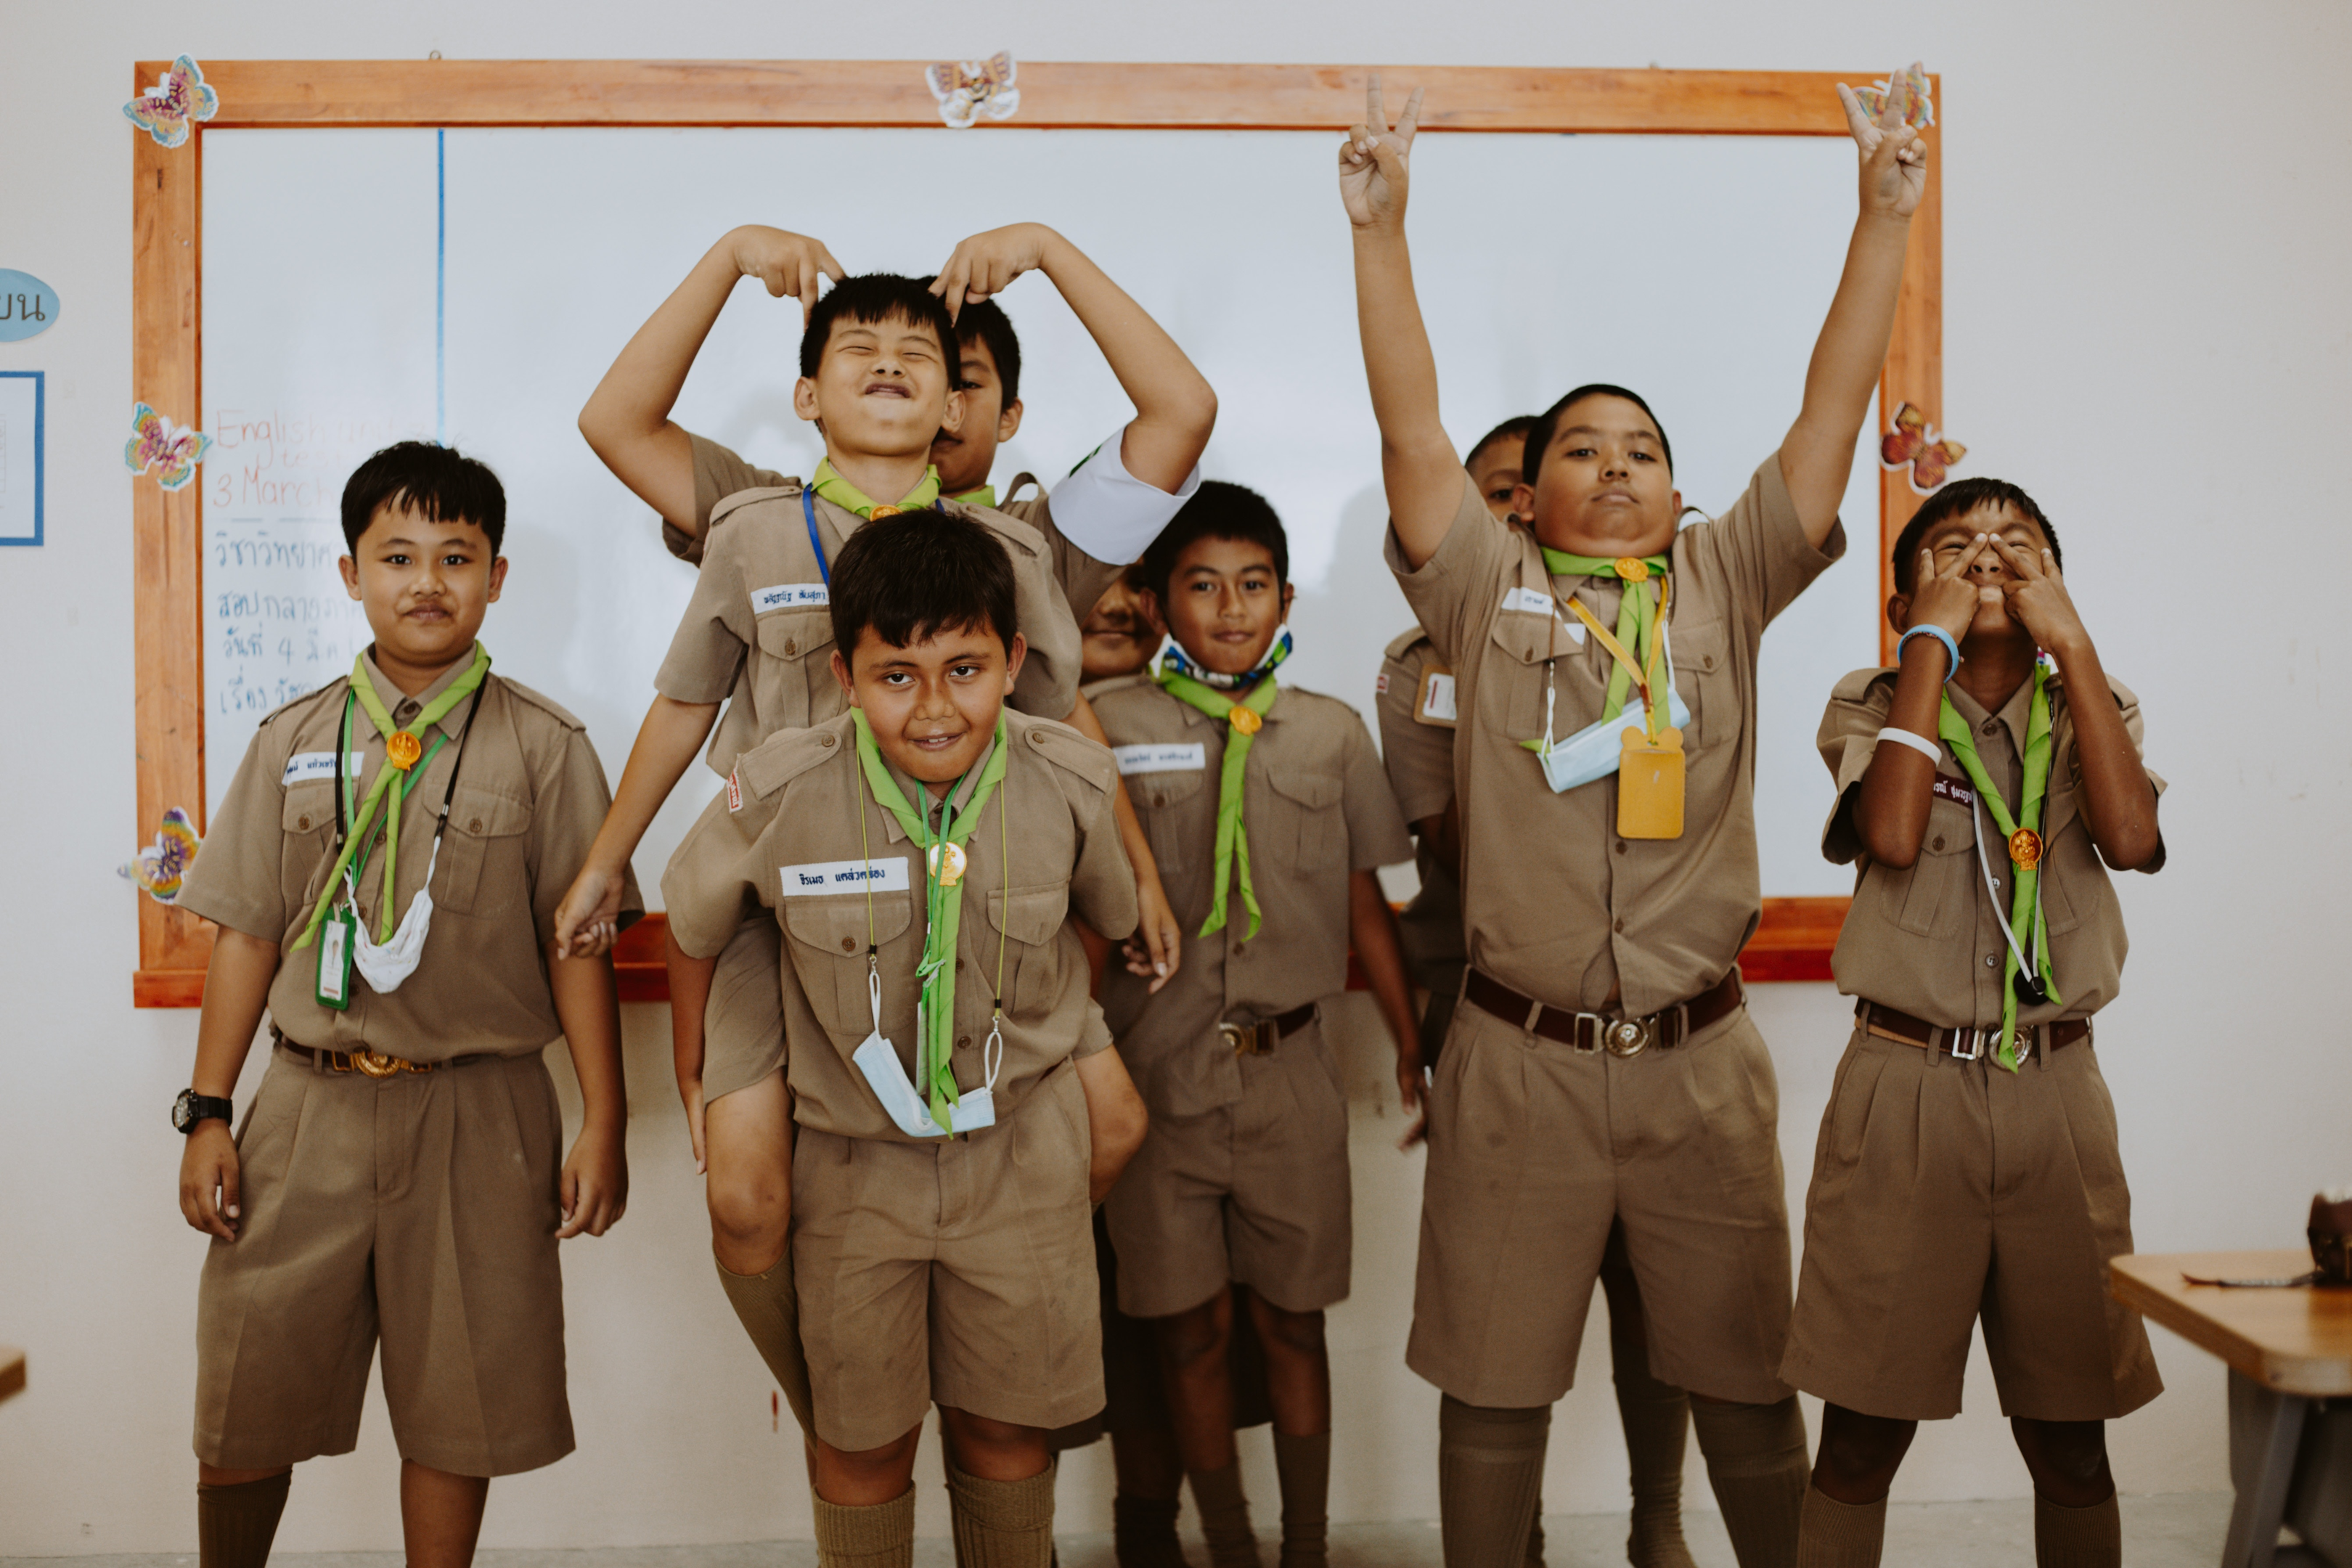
{"points": [[796, 828], [1556, 905], [1317, 808], [530, 795], [1417, 730], [1925, 939]]}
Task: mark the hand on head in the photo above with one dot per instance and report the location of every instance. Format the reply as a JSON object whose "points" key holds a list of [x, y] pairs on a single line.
{"points": [[786, 263]]}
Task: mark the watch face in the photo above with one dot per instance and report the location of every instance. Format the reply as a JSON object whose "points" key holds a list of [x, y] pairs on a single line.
{"points": [[183, 1110]]}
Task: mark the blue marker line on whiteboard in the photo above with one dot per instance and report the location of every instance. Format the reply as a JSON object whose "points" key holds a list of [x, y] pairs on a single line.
{"points": [[440, 283]]}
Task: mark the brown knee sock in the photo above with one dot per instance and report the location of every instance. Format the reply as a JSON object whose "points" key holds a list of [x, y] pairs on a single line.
{"points": [[1490, 1471], [1224, 1517], [1002, 1524], [2089, 1537], [1304, 1466], [770, 1311], [1656, 1418], [235, 1525], [1143, 1532], [879, 1535], [1840, 1535], [1534, 1533], [1756, 1461]]}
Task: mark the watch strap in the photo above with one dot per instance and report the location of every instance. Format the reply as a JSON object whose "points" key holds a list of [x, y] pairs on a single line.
{"points": [[199, 1108]]}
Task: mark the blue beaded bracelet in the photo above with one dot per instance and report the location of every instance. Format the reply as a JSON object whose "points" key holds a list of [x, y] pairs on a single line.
{"points": [[1941, 635]]}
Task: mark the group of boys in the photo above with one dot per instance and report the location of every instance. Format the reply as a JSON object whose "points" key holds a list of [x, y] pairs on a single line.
{"points": [[1000, 964]]}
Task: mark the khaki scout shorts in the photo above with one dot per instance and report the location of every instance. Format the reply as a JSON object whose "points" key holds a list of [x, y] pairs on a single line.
{"points": [[419, 1210], [744, 1022], [1534, 1150], [1254, 1192], [958, 1270], [1944, 1190]]}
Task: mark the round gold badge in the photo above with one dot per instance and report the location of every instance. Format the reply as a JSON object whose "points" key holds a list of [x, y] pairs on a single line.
{"points": [[402, 749], [948, 863], [880, 512], [1632, 569], [1245, 721], [2025, 848]]}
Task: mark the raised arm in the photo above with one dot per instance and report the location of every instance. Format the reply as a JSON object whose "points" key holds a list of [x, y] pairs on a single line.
{"points": [[627, 420], [1418, 465], [1817, 456], [1891, 802], [1175, 407]]}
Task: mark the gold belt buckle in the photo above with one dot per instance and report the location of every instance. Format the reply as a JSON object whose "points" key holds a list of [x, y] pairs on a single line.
{"points": [[376, 1064], [1627, 1037]]}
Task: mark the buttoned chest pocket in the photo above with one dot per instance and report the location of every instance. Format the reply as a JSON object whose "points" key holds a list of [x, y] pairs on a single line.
{"points": [[309, 823], [1306, 823], [829, 937], [794, 653], [1705, 681], [1932, 893], [1025, 921], [1172, 806], [1511, 683], [485, 864], [2069, 858]]}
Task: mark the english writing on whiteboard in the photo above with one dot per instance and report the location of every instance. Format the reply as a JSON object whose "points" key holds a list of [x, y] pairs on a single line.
{"points": [[823, 876], [1162, 759], [789, 596]]}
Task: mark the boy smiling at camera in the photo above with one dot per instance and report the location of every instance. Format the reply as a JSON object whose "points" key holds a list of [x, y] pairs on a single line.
{"points": [[958, 1105]]}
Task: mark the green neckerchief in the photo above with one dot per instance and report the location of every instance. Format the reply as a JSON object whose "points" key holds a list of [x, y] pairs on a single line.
{"points": [[831, 487], [1637, 613], [943, 906], [2024, 903], [387, 778], [984, 496], [1233, 835]]}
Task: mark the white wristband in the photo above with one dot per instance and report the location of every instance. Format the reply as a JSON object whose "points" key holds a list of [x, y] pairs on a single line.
{"points": [[1920, 743]]}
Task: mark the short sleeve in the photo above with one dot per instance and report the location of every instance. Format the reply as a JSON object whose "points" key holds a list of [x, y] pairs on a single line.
{"points": [[1376, 835], [2136, 728], [1454, 594], [1848, 739], [571, 806], [718, 474], [712, 640], [715, 875], [1094, 1037], [236, 878], [1418, 757], [1110, 513], [1102, 883], [1759, 550]]}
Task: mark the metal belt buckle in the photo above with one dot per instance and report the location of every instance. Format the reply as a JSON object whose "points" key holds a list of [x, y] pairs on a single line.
{"points": [[1627, 1037], [2024, 1044], [376, 1064], [1247, 1040], [1976, 1044], [1599, 1033]]}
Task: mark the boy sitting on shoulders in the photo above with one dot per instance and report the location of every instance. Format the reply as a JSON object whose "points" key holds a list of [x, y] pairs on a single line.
{"points": [[958, 1105], [384, 872], [1967, 1165]]}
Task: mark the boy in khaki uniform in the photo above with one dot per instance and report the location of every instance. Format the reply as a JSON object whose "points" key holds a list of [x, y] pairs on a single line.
{"points": [[922, 854], [1601, 1071], [1268, 812], [397, 1177], [1968, 1164], [1415, 703]]}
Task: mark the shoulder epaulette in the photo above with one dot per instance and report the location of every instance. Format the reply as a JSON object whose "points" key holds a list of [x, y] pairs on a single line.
{"points": [[1067, 749], [542, 701], [788, 753], [789, 490], [1405, 644], [1095, 690], [1855, 686], [333, 687], [1010, 527]]}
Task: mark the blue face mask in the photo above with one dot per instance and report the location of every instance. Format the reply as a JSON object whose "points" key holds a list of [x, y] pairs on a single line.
{"points": [[1595, 751], [1172, 658]]}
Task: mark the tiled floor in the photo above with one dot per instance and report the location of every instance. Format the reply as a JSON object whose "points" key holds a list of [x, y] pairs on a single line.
{"points": [[2178, 1530]]}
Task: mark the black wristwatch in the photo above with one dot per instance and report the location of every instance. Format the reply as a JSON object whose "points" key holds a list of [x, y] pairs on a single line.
{"points": [[191, 1108]]}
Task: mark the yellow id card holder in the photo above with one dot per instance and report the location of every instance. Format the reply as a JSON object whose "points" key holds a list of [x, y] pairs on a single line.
{"points": [[1650, 785]]}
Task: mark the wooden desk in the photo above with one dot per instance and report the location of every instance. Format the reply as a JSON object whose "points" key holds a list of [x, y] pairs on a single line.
{"points": [[11, 1372], [2285, 1349]]}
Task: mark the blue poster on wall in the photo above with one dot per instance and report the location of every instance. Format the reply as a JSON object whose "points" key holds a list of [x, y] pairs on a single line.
{"points": [[28, 307], [22, 411]]}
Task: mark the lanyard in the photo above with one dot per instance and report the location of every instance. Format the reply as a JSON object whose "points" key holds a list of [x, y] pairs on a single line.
{"points": [[1628, 673], [1244, 719], [824, 567], [1636, 623]]}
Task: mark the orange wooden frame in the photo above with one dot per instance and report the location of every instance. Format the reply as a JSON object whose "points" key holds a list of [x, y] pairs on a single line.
{"points": [[167, 268]]}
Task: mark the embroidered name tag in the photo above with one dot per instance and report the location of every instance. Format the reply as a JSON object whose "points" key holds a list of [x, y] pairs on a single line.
{"points": [[1954, 791], [844, 877], [789, 596], [1528, 601], [1164, 759], [1436, 704], [304, 765]]}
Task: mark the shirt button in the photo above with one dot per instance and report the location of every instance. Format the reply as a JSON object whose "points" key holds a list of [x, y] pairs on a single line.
{"points": [[1619, 927], [1937, 842], [1237, 949], [302, 821], [475, 826], [962, 1040], [1992, 726], [1989, 961], [849, 945], [1620, 846], [958, 966], [791, 648], [825, 738]]}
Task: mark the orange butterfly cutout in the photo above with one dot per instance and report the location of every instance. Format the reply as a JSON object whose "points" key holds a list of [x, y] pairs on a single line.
{"points": [[966, 87], [157, 443], [1926, 449], [160, 870]]}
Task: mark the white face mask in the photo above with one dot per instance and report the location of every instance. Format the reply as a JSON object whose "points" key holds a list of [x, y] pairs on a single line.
{"points": [[908, 1111], [384, 967]]}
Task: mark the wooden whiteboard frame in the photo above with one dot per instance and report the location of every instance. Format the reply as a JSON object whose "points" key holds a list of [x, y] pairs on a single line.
{"points": [[167, 269]]}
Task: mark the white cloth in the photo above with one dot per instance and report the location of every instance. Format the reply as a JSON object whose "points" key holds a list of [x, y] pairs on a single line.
{"points": [[1108, 513], [384, 967]]}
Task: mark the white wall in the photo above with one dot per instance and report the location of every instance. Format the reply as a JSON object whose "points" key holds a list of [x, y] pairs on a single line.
{"points": [[2145, 209]]}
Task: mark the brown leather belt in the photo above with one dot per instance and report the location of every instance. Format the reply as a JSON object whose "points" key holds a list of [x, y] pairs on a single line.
{"points": [[1258, 1039], [376, 1064], [1590, 1032], [1965, 1044]]}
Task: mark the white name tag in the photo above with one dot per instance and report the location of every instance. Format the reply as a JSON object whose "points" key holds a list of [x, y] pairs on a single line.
{"points": [[303, 765], [1168, 759], [1535, 604], [789, 596], [844, 877], [1437, 697]]}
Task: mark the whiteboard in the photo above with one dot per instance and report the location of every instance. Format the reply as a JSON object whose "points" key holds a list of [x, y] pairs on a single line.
{"points": [[363, 286]]}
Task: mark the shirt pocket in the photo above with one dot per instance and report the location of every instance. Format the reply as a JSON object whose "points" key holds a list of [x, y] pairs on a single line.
{"points": [[829, 937], [1703, 675], [1026, 921], [309, 823], [1510, 682], [1928, 897], [1170, 804], [1307, 823], [485, 854], [792, 659]]}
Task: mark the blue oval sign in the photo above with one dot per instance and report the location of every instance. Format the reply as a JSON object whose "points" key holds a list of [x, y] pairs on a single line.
{"points": [[28, 307]]}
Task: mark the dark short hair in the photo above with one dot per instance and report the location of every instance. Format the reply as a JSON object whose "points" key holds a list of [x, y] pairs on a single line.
{"points": [[439, 481], [1539, 435], [1515, 428], [918, 573], [873, 298], [1217, 511], [985, 321], [1959, 498]]}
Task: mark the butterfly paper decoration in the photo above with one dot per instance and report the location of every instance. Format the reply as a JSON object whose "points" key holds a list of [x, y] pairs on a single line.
{"points": [[966, 87], [167, 110], [156, 440], [160, 872], [1908, 88], [1929, 453]]}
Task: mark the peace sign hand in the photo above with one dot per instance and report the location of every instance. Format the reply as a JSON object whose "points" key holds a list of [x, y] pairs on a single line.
{"points": [[1373, 159], [2038, 599], [1894, 161], [1951, 598]]}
